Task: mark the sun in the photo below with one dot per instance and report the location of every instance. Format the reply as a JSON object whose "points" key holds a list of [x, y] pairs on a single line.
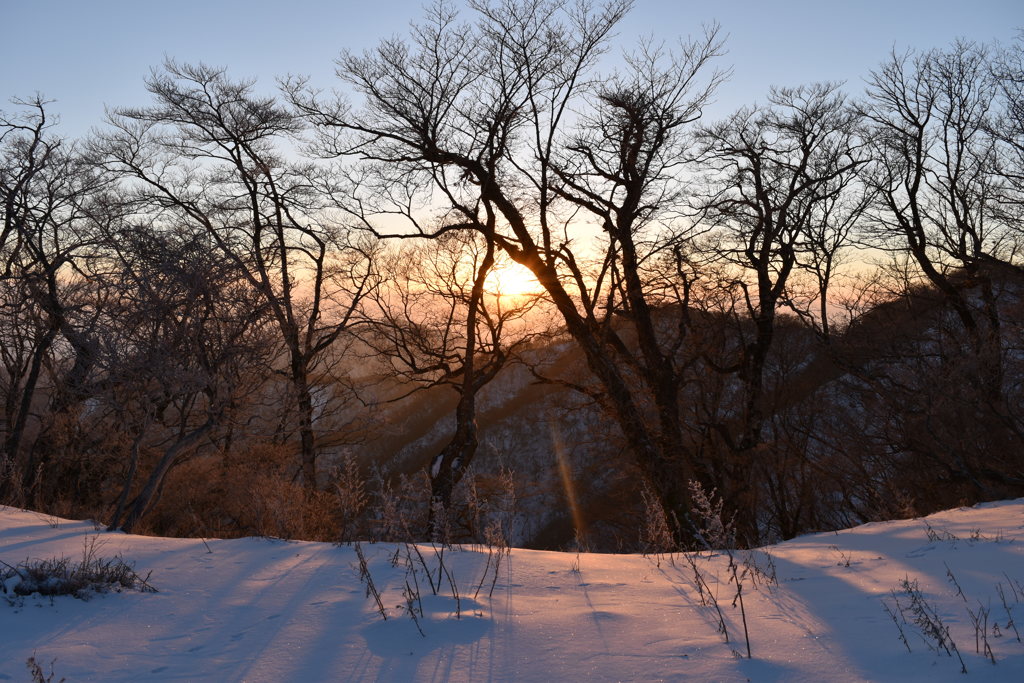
{"points": [[512, 280]]}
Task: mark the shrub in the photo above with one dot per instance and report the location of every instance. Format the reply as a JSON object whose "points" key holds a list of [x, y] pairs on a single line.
{"points": [[81, 579]]}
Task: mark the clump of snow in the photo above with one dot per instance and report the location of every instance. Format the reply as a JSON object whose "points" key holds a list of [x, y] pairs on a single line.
{"points": [[831, 606]]}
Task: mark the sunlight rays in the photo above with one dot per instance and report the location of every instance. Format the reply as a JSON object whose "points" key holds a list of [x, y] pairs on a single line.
{"points": [[565, 471]]}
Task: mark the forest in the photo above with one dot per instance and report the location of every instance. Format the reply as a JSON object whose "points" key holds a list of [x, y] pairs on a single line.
{"points": [[507, 281]]}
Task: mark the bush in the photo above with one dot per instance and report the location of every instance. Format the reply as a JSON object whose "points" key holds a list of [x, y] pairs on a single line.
{"points": [[81, 579]]}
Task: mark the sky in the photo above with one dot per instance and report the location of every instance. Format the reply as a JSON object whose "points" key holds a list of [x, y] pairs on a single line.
{"points": [[88, 55]]}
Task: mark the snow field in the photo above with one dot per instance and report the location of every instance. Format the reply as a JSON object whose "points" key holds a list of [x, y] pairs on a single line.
{"points": [[259, 609]]}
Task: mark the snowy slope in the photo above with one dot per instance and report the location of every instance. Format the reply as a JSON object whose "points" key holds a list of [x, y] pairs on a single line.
{"points": [[269, 610]]}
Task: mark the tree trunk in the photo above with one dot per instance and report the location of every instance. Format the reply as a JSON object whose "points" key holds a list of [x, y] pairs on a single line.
{"points": [[129, 480], [12, 446], [451, 463], [140, 506]]}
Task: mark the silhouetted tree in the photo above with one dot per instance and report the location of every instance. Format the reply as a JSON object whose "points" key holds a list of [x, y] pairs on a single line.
{"points": [[438, 321], [938, 190], [47, 196], [776, 175], [210, 154], [184, 346], [478, 117]]}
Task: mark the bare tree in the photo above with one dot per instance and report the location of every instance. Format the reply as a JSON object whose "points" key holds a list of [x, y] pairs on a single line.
{"points": [[944, 142], [480, 117], [28, 148], [184, 345], [1007, 128], [938, 192], [210, 154], [440, 321], [776, 176], [46, 193], [624, 167]]}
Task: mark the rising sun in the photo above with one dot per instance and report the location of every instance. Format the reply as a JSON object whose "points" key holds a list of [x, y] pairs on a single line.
{"points": [[512, 280]]}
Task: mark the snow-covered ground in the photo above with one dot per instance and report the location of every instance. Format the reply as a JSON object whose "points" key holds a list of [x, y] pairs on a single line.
{"points": [[269, 610]]}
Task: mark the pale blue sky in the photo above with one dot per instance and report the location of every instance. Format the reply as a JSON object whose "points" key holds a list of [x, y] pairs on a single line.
{"points": [[85, 54]]}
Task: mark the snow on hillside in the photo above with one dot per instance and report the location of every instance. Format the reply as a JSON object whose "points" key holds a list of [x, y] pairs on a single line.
{"points": [[259, 609]]}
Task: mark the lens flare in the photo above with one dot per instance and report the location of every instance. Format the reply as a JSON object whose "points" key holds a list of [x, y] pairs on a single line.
{"points": [[565, 470]]}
